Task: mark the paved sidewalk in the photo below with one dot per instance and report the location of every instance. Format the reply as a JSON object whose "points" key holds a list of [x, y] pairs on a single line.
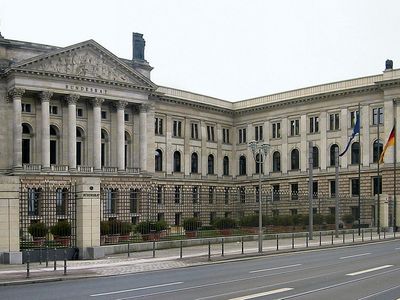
{"points": [[171, 258]]}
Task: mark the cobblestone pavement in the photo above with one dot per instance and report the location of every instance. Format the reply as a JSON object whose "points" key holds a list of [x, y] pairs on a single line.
{"points": [[170, 258]]}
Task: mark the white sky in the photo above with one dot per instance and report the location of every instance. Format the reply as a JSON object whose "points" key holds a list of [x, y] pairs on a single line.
{"points": [[230, 49]]}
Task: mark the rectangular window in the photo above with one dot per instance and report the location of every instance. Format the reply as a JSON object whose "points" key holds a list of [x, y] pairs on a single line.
{"points": [[242, 135], [178, 217], [377, 116], [33, 201], [126, 117], [160, 217], [103, 114], [226, 195], [332, 210], [195, 194], [210, 133], [158, 126], [314, 124], [133, 199], [334, 123], [53, 110], [257, 191], [225, 135], [355, 187], [355, 212], [160, 194], [276, 130], [196, 214], [213, 217], [332, 187], [26, 107], [353, 118], [111, 201], [61, 201], [315, 189], [377, 185], [177, 195], [177, 129], [211, 191], [258, 133], [242, 194], [275, 192], [293, 211], [294, 127], [294, 189], [194, 134], [79, 112], [275, 212]]}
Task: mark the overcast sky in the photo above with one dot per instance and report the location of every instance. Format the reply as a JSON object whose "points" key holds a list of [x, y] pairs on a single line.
{"points": [[230, 49]]}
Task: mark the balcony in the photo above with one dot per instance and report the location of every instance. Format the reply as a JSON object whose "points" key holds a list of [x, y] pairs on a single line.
{"points": [[32, 167], [85, 169], [59, 168]]}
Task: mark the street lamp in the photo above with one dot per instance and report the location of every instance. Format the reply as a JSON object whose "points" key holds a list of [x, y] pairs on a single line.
{"points": [[260, 151]]}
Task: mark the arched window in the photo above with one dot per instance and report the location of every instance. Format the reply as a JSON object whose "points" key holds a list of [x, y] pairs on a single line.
{"points": [[177, 161], [242, 165], [210, 164], [315, 156], [195, 163], [127, 149], [377, 151], [355, 153], [276, 162], [332, 155], [226, 165], [158, 160], [79, 146], [54, 144], [294, 159], [104, 148], [259, 163], [26, 143]]}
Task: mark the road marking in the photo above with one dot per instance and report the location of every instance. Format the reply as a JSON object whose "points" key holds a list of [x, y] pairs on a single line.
{"points": [[381, 292], [351, 256], [277, 268], [263, 294], [369, 270], [136, 289], [397, 249]]}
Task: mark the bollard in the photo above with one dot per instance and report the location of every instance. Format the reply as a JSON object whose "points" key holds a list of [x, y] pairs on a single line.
{"points": [[129, 249], [40, 255], [379, 234], [362, 235], [320, 238], [222, 247], [277, 242], [332, 237], [154, 249], [47, 256], [181, 250], [55, 259], [65, 262], [353, 235], [242, 246], [384, 234], [28, 257], [394, 234], [209, 250], [371, 234], [307, 240], [292, 240], [344, 236]]}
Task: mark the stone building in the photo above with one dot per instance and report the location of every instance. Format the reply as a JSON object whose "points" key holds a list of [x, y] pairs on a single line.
{"points": [[81, 114]]}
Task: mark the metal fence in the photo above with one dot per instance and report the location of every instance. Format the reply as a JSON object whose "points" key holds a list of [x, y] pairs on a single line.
{"points": [[47, 215], [137, 213]]}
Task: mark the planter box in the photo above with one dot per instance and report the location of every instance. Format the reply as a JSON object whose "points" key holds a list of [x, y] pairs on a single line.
{"points": [[225, 232], [191, 234]]}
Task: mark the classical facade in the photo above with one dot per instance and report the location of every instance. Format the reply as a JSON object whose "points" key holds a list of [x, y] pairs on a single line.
{"points": [[81, 113]]}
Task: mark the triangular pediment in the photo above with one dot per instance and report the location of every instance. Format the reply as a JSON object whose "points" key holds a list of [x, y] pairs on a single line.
{"points": [[86, 60]]}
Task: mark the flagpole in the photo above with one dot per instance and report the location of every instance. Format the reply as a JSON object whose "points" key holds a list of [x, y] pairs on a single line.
{"points": [[359, 171], [394, 169], [379, 183]]}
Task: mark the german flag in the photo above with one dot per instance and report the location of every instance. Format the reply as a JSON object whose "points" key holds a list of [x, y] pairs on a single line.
{"points": [[390, 142]]}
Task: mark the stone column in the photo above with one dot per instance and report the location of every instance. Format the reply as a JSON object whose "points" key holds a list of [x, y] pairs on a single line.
{"points": [[88, 218], [16, 95], [97, 133], [143, 136], [72, 99], [45, 96], [121, 134]]}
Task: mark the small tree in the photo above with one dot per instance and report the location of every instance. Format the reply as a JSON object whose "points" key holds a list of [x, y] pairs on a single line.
{"points": [[104, 228], [62, 228], [38, 230], [191, 224], [348, 219], [225, 223]]}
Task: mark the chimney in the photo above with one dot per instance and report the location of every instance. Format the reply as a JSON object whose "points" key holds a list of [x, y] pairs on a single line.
{"points": [[138, 61]]}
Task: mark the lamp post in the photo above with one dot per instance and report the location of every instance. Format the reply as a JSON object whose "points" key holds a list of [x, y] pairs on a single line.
{"points": [[260, 151]]}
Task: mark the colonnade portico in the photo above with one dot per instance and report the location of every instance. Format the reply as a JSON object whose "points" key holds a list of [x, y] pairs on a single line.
{"points": [[70, 137]]}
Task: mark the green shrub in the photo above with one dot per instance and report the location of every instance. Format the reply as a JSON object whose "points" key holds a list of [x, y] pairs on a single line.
{"points": [[125, 228], [297, 220], [225, 223], [318, 219], [191, 224], [286, 220], [38, 229], [252, 221], [145, 227], [62, 228], [330, 219]]}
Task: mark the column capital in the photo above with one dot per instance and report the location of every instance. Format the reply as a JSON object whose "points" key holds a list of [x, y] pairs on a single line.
{"points": [[16, 92], [72, 98], [146, 107], [97, 102], [45, 96], [121, 104]]}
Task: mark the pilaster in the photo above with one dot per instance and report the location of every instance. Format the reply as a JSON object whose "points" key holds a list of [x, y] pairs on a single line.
{"points": [[97, 102], [72, 99], [16, 96], [45, 97]]}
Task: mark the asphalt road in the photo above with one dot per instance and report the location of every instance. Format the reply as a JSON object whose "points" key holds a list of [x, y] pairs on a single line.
{"points": [[369, 271]]}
